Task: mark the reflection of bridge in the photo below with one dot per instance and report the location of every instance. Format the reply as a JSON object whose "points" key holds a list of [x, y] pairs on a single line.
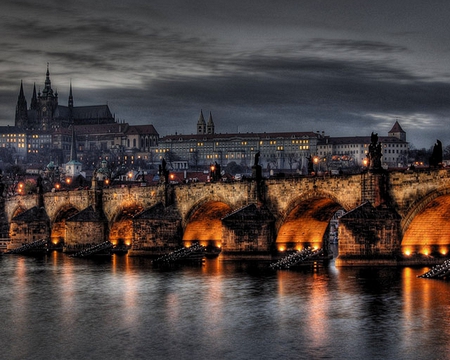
{"points": [[390, 217]]}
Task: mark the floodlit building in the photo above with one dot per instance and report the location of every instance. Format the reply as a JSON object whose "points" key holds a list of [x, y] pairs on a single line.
{"points": [[278, 150], [338, 152]]}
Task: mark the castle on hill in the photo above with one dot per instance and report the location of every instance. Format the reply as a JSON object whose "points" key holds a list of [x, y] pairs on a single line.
{"points": [[45, 112]]}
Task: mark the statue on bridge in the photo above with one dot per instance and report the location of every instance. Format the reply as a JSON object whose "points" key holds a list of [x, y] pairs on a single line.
{"points": [[436, 156], [374, 152], [163, 172], [39, 184], [256, 168], [310, 165], [257, 155], [215, 174]]}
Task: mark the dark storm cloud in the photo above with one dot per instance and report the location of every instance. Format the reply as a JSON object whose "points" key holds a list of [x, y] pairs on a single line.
{"points": [[267, 93], [346, 67]]}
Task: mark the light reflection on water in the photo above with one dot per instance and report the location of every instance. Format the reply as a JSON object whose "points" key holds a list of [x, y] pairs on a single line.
{"points": [[57, 307]]}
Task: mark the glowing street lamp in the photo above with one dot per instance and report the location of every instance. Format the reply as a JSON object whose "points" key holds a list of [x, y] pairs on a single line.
{"points": [[212, 172], [316, 161]]}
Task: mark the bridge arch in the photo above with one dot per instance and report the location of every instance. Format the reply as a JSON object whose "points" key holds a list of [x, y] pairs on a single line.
{"points": [[203, 222], [425, 227], [121, 225], [58, 223], [17, 211], [199, 204], [306, 221]]}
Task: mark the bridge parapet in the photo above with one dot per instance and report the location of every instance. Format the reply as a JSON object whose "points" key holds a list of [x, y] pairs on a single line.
{"points": [[116, 199], [55, 201], [300, 210], [12, 204], [283, 194], [236, 194], [409, 188]]}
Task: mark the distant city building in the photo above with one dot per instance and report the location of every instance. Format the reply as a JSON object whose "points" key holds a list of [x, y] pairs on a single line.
{"points": [[278, 151], [14, 139], [338, 152]]}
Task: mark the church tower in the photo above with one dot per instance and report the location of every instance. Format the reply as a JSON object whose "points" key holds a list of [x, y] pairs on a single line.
{"points": [[210, 125], [397, 132], [201, 124], [21, 119]]}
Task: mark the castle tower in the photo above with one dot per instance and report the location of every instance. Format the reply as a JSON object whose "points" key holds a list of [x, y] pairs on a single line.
{"points": [[201, 124], [210, 125], [21, 118]]}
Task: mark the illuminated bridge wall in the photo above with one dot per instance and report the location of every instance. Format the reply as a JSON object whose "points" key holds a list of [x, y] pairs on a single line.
{"points": [[392, 215]]}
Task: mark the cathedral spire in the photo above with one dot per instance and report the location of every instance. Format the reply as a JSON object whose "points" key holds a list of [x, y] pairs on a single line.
{"points": [[21, 93], [21, 117], [70, 96], [34, 102], [48, 84]]}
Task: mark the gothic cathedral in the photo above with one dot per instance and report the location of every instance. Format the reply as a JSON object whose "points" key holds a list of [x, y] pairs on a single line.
{"points": [[45, 113]]}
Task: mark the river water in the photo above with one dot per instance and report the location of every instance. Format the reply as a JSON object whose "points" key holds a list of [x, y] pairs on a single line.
{"points": [[56, 307]]}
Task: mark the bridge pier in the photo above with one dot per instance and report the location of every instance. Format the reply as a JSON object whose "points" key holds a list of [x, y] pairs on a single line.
{"points": [[156, 231], [249, 230], [86, 228], [369, 235], [28, 227]]}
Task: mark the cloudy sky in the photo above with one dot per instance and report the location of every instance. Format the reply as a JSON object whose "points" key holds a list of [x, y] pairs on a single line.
{"points": [[346, 67]]}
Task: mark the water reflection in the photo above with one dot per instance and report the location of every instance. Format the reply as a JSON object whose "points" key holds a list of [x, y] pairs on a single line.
{"points": [[120, 307]]}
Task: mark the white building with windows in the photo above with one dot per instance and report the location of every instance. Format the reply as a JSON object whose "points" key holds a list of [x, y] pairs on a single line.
{"points": [[278, 151], [15, 140], [347, 151], [288, 151]]}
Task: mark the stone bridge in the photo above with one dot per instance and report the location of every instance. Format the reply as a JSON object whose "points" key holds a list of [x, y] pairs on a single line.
{"points": [[388, 218]]}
